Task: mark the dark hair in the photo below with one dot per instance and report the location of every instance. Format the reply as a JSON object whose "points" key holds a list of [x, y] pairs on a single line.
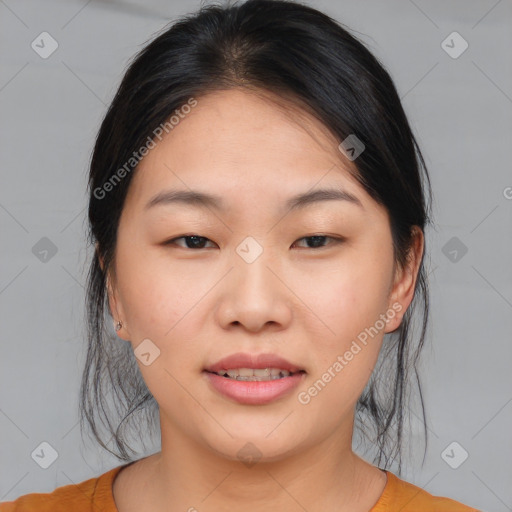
{"points": [[300, 55]]}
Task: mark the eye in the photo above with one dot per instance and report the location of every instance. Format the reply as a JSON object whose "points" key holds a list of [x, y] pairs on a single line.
{"points": [[191, 241], [317, 240], [198, 242]]}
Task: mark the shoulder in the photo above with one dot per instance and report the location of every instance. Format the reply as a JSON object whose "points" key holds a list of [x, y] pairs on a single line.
{"points": [[402, 496], [93, 494]]}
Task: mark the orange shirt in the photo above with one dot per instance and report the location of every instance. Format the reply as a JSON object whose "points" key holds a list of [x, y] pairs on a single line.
{"points": [[95, 495]]}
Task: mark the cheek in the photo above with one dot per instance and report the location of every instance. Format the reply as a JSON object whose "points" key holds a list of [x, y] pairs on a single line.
{"points": [[347, 351], [347, 300], [157, 294], [167, 304], [158, 302]]}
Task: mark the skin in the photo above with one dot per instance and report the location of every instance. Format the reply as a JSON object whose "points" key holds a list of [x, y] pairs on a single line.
{"points": [[303, 303]]}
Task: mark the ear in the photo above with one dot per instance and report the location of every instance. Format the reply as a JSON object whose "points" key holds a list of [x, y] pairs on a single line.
{"points": [[115, 307], [402, 291]]}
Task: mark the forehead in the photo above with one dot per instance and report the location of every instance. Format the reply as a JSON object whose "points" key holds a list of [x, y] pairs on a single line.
{"points": [[243, 145]]}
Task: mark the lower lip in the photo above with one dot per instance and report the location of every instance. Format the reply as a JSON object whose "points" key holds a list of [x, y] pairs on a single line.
{"points": [[254, 392]]}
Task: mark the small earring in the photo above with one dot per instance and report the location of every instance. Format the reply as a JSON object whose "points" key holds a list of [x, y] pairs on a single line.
{"points": [[118, 326]]}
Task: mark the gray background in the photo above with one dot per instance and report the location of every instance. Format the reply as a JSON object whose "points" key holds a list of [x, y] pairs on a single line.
{"points": [[461, 111]]}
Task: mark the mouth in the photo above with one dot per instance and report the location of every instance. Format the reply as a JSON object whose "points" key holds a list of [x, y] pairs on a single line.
{"points": [[255, 374], [254, 367], [254, 379]]}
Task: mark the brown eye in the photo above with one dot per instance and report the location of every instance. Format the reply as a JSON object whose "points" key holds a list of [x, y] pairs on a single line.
{"points": [[317, 241], [191, 241]]}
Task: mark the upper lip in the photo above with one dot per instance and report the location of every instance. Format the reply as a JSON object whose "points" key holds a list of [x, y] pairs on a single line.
{"points": [[242, 360]]}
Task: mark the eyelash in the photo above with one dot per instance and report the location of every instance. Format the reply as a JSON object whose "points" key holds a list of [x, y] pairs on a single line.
{"points": [[336, 240]]}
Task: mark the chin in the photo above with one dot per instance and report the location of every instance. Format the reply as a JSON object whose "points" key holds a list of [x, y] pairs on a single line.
{"points": [[251, 447]]}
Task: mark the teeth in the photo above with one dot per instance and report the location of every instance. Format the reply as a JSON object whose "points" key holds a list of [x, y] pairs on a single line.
{"points": [[254, 374], [260, 372]]}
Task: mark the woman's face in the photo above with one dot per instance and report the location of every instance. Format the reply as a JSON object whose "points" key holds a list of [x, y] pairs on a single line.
{"points": [[253, 283]]}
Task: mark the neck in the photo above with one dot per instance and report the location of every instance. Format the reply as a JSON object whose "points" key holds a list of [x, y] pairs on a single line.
{"points": [[327, 477]]}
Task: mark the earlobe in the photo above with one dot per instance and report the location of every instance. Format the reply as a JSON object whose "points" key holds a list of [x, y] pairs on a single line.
{"points": [[112, 302], [406, 277], [110, 292], [115, 312]]}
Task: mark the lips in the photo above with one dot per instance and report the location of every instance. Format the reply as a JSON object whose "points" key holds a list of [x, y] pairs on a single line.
{"points": [[253, 361], [254, 379]]}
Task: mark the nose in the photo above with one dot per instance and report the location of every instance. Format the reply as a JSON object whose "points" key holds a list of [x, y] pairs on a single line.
{"points": [[254, 295]]}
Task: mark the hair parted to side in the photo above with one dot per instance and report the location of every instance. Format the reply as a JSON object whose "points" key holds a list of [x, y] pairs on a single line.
{"points": [[302, 56]]}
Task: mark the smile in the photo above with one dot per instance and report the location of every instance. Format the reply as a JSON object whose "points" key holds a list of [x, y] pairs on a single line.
{"points": [[255, 374]]}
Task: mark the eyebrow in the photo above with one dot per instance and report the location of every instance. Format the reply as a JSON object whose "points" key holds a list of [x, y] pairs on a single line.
{"points": [[204, 200]]}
